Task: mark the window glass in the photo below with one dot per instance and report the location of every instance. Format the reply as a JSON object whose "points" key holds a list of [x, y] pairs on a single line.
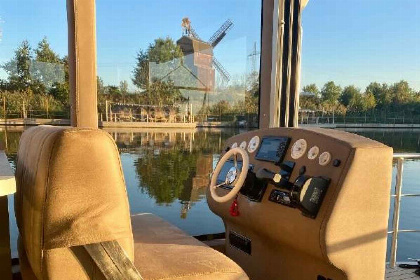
{"points": [[33, 59], [360, 73], [33, 73], [167, 70]]}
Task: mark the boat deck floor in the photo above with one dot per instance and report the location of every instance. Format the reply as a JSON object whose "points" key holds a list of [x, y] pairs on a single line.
{"points": [[398, 273]]}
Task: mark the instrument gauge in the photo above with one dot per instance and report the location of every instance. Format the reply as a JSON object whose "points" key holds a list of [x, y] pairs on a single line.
{"points": [[299, 148], [313, 152], [234, 145], [324, 158], [253, 144], [243, 145]]}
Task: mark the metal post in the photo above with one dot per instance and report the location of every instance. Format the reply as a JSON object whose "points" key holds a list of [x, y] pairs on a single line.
{"points": [[396, 218], [106, 110]]}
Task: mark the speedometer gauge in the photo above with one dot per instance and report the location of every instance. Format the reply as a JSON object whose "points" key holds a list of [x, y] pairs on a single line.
{"points": [[299, 148], [313, 152], [324, 158], [253, 144]]}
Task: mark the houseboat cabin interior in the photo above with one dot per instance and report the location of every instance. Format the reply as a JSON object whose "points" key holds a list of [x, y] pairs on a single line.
{"points": [[297, 204]]}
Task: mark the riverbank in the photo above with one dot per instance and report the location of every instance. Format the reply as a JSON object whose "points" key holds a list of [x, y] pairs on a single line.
{"points": [[103, 124]]}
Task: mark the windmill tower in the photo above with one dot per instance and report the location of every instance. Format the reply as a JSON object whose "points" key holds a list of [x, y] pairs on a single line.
{"points": [[199, 55]]}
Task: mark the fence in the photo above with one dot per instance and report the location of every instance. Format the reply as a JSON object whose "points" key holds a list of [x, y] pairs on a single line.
{"points": [[397, 205]]}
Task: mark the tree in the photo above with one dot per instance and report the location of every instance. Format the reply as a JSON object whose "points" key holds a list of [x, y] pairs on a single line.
{"points": [[18, 68], [401, 92], [113, 91], [141, 71], [330, 93], [168, 55], [100, 86], [220, 107], [380, 92], [369, 101], [312, 88], [351, 97], [124, 89], [48, 67]]}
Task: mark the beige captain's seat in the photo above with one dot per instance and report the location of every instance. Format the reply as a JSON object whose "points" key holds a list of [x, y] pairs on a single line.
{"points": [[71, 200]]}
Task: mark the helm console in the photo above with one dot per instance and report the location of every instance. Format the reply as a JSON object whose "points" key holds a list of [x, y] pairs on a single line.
{"points": [[314, 204]]}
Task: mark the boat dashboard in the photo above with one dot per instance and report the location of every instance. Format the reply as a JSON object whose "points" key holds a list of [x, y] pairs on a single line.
{"points": [[302, 192]]}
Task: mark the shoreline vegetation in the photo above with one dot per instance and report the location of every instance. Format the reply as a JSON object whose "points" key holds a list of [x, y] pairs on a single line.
{"points": [[37, 87]]}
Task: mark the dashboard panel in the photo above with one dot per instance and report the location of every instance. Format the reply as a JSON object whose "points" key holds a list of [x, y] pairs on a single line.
{"points": [[306, 191]]}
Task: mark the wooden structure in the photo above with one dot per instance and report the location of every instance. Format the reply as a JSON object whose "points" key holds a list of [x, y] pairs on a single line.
{"points": [[198, 57]]}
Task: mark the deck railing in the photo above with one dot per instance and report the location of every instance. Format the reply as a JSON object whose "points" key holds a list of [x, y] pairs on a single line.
{"points": [[397, 205]]}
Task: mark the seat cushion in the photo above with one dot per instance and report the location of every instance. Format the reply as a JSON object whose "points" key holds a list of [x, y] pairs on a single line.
{"points": [[163, 251]]}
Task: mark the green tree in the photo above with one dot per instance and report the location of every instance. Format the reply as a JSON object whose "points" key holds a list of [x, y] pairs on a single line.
{"points": [[401, 92], [124, 89], [48, 68], [113, 91], [351, 97], [168, 55], [221, 107], [381, 93], [369, 101], [312, 88], [100, 86], [18, 68], [330, 93]]}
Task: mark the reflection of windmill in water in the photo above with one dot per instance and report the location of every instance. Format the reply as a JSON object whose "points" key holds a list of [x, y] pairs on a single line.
{"points": [[195, 185], [199, 56]]}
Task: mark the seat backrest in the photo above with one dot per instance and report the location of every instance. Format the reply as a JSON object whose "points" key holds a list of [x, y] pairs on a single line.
{"points": [[70, 192]]}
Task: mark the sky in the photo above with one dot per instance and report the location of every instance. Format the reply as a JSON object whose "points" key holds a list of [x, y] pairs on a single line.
{"points": [[347, 41]]}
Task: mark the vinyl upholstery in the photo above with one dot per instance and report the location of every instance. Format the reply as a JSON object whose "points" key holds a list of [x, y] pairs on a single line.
{"points": [[163, 251], [71, 192]]}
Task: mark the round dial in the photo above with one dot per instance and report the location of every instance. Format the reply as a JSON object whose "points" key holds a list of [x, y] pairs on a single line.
{"points": [[313, 152], [324, 158], [243, 145], [253, 144], [234, 145], [299, 148]]}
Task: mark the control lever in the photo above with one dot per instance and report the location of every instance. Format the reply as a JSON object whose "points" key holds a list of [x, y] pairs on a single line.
{"points": [[265, 174]]}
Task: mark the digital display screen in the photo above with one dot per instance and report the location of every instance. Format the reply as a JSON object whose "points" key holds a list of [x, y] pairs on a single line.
{"points": [[273, 149]]}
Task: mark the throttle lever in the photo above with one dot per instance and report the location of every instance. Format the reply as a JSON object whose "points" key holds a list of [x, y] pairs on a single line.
{"points": [[265, 174]]}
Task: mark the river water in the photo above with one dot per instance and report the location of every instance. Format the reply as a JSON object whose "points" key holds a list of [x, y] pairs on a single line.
{"points": [[167, 171]]}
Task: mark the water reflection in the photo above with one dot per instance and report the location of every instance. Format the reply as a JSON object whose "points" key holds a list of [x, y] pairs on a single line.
{"points": [[167, 172], [172, 165]]}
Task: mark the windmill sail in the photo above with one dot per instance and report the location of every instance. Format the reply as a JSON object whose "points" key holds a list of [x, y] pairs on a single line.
{"points": [[221, 33], [194, 34], [221, 69]]}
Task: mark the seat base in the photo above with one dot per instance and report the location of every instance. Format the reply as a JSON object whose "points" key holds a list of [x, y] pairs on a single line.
{"points": [[163, 251]]}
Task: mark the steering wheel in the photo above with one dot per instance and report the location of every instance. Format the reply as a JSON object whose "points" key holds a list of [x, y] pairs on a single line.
{"points": [[231, 178]]}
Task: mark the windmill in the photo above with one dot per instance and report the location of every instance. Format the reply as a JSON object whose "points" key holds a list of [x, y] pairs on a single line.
{"points": [[199, 56], [212, 43]]}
